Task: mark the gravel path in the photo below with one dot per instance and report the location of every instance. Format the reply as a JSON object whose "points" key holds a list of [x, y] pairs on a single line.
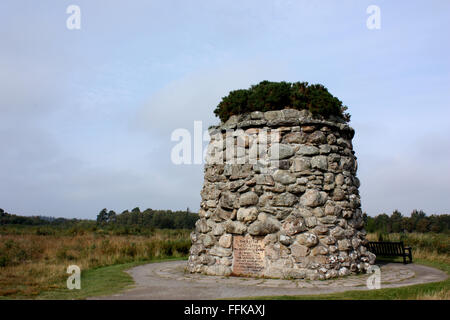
{"points": [[167, 280]]}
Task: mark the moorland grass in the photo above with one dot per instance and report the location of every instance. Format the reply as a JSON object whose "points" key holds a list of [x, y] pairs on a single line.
{"points": [[32, 264]]}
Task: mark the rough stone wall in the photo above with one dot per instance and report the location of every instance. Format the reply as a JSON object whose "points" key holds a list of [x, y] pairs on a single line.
{"points": [[290, 186]]}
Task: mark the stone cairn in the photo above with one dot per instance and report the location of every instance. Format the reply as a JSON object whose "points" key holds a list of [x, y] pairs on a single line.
{"points": [[280, 199]]}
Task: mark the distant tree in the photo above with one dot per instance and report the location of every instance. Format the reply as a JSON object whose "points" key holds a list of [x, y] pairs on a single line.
{"points": [[396, 221], [407, 224], [112, 217], [102, 217], [417, 222], [416, 216], [382, 223], [436, 227], [369, 223], [422, 225]]}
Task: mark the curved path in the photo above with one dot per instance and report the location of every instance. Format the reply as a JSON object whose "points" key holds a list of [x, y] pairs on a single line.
{"points": [[168, 280]]}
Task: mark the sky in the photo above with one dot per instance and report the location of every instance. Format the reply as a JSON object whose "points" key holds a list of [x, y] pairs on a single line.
{"points": [[86, 115]]}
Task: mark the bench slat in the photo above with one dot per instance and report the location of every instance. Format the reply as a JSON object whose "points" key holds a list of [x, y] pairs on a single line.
{"points": [[389, 248]]}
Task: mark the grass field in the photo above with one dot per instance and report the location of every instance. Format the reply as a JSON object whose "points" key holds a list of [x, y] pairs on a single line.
{"points": [[33, 263], [99, 282]]}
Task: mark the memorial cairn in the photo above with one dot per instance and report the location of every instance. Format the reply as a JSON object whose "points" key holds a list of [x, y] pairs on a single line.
{"points": [[280, 199]]}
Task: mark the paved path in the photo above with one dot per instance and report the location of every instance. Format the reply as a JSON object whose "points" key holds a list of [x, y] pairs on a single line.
{"points": [[167, 280]]}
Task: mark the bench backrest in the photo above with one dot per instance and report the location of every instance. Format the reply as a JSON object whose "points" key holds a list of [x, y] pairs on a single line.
{"points": [[386, 248]]}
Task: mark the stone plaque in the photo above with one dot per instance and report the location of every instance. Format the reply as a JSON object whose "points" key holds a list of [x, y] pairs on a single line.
{"points": [[248, 256]]}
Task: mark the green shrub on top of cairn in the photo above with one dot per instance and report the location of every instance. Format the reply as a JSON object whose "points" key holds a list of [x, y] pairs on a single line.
{"points": [[267, 96]]}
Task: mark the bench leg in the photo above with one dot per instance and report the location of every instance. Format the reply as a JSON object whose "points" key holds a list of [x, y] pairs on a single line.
{"points": [[404, 259]]}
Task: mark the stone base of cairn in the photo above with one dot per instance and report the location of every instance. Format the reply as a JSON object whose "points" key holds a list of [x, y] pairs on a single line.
{"points": [[280, 199]]}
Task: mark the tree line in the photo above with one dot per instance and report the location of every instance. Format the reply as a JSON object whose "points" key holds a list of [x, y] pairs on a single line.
{"points": [[159, 219], [8, 218], [148, 219], [417, 222]]}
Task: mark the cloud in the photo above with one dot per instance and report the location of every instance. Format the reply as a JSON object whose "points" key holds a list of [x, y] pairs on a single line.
{"points": [[196, 95], [177, 105], [414, 176]]}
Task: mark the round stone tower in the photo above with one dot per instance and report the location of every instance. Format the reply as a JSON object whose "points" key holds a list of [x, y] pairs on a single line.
{"points": [[280, 199]]}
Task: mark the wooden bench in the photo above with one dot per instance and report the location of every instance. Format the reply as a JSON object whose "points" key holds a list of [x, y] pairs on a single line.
{"points": [[390, 249]]}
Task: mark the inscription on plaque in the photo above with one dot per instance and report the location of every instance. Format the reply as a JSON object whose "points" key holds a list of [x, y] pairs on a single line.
{"points": [[248, 255]]}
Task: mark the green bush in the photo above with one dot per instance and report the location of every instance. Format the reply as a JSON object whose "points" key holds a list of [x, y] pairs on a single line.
{"points": [[267, 96], [13, 252], [44, 231], [168, 248], [4, 261]]}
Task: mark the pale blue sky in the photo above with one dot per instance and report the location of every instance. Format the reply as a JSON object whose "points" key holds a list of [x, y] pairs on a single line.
{"points": [[86, 115]]}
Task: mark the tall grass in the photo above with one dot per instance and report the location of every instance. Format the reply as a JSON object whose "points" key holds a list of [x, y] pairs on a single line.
{"points": [[31, 263], [443, 294], [33, 260]]}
